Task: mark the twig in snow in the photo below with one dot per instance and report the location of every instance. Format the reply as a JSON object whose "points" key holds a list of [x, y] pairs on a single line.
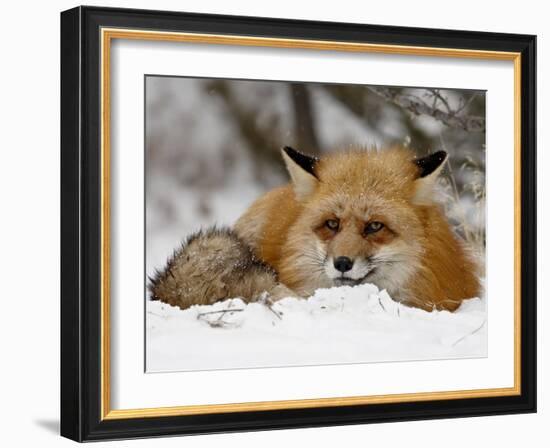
{"points": [[219, 322], [158, 315], [266, 301], [227, 310], [469, 334]]}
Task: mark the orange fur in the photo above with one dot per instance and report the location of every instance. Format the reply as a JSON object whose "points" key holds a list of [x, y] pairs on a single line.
{"points": [[415, 256]]}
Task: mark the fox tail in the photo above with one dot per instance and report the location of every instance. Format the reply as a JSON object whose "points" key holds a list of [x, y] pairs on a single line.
{"points": [[214, 265]]}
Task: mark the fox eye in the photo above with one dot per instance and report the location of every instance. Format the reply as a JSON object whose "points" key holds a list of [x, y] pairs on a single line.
{"points": [[373, 227], [332, 224]]}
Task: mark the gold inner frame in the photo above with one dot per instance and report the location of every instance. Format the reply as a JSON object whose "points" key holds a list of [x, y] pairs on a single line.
{"points": [[107, 35]]}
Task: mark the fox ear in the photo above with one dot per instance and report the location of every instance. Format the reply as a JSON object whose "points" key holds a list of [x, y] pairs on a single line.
{"points": [[302, 171], [429, 168]]}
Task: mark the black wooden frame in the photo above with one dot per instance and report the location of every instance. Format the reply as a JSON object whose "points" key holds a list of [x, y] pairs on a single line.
{"points": [[80, 223]]}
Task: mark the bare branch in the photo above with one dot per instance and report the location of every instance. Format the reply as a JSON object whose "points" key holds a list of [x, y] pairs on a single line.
{"points": [[267, 302], [437, 96], [467, 103], [459, 340], [417, 106], [219, 322], [228, 310]]}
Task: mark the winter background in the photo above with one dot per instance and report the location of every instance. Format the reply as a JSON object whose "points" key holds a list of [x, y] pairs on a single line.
{"points": [[213, 147]]}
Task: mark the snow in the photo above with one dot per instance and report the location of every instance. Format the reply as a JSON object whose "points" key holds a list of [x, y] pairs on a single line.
{"points": [[337, 325]]}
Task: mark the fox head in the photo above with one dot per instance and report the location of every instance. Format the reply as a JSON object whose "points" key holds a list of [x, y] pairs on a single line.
{"points": [[362, 217]]}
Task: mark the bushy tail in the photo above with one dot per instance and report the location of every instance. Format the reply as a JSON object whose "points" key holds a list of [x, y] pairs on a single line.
{"points": [[213, 265]]}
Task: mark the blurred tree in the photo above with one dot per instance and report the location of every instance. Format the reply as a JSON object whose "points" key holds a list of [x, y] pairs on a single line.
{"points": [[304, 119], [262, 142]]}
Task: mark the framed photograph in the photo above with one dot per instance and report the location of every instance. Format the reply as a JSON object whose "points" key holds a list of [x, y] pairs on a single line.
{"points": [[273, 223]]}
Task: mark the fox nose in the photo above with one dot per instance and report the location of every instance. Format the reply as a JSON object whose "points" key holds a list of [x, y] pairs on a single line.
{"points": [[343, 264]]}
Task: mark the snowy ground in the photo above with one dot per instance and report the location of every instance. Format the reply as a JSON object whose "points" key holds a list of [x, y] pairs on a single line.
{"points": [[337, 325]]}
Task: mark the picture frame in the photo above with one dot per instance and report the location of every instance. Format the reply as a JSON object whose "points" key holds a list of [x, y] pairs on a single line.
{"points": [[87, 34]]}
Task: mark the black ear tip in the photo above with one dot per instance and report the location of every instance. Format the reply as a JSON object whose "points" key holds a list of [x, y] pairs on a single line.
{"points": [[291, 152], [440, 155], [307, 163], [430, 163]]}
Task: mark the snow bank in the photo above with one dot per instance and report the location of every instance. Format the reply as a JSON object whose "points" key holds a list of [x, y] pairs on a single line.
{"points": [[337, 325]]}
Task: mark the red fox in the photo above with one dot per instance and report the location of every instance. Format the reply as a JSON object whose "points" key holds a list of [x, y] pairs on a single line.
{"points": [[360, 216]]}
